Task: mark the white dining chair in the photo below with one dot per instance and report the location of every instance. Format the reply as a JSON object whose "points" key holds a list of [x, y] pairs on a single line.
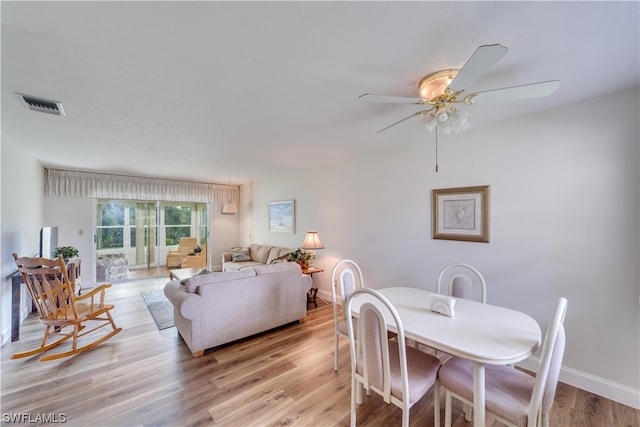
{"points": [[513, 397], [346, 277], [401, 375], [460, 279]]}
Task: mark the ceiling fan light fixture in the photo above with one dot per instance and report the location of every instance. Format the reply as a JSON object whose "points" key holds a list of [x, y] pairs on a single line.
{"points": [[429, 123], [435, 85], [439, 91], [447, 120], [443, 115]]}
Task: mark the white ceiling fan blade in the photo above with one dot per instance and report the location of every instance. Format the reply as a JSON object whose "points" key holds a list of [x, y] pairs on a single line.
{"points": [[482, 59], [533, 90], [419, 113], [369, 97]]}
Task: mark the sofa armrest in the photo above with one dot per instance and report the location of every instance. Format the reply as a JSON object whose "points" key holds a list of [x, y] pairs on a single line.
{"points": [[189, 305], [307, 282], [226, 257]]}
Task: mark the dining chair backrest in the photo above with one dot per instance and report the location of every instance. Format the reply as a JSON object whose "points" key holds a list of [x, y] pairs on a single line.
{"points": [[548, 373], [514, 397], [401, 375], [370, 348], [460, 280], [346, 277]]}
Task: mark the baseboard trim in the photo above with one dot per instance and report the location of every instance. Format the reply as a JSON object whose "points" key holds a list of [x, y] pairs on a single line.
{"points": [[591, 383], [324, 295], [602, 387], [6, 334]]}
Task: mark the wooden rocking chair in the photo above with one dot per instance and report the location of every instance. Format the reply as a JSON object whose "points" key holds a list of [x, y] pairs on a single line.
{"points": [[53, 294]]}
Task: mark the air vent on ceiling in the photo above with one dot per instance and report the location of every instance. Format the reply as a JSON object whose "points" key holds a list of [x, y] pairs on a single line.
{"points": [[42, 105]]}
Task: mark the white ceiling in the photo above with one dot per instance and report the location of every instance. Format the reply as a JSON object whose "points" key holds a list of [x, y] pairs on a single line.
{"points": [[229, 91]]}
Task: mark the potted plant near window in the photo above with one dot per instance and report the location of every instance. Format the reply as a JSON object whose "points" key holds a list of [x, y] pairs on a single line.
{"points": [[67, 252]]}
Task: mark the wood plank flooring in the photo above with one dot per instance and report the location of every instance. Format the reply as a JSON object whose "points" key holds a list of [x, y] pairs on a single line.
{"points": [[147, 377]]}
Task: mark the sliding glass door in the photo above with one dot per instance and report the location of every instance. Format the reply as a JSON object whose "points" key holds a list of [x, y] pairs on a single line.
{"points": [[144, 235], [133, 237]]}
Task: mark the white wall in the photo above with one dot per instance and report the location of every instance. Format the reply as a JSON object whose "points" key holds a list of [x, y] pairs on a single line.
{"points": [[75, 220], [22, 217], [564, 216]]}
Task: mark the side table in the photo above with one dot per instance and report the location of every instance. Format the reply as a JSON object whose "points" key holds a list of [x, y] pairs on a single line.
{"points": [[311, 295]]}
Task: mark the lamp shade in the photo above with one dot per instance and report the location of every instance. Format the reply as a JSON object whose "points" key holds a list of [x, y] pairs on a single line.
{"points": [[312, 241], [229, 208]]}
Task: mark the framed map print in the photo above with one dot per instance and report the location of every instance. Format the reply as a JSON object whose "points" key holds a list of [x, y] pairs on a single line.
{"points": [[461, 213], [282, 216]]}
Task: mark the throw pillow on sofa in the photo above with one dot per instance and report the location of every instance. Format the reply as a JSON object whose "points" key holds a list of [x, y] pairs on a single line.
{"points": [[276, 254], [203, 271], [240, 254], [282, 258]]}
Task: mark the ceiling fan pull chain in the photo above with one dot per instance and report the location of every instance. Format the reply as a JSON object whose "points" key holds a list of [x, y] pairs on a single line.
{"points": [[436, 149]]}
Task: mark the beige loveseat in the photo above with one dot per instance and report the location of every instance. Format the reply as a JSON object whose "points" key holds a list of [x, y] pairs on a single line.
{"points": [[255, 255], [217, 308]]}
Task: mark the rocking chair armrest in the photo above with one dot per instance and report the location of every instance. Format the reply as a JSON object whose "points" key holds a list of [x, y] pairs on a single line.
{"points": [[94, 291]]}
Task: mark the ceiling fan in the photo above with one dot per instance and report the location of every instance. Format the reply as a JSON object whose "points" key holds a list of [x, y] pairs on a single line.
{"points": [[443, 90]]}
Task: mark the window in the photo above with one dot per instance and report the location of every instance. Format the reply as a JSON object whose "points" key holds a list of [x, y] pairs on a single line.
{"points": [[116, 225], [132, 228], [177, 222], [203, 221], [145, 231], [110, 229]]}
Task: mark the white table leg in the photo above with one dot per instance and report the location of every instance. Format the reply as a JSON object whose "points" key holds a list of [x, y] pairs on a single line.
{"points": [[359, 390], [478, 395]]}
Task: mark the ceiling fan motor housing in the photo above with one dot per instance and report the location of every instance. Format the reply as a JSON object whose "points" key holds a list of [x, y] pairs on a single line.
{"points": [[434, 85]]}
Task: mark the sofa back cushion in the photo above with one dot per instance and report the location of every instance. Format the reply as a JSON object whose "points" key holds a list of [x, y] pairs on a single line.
{"points": [[191, 285], [278, 267], [260, 253]]}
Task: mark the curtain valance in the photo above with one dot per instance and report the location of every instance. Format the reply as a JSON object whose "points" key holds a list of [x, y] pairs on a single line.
{"points": [[63, 183]]}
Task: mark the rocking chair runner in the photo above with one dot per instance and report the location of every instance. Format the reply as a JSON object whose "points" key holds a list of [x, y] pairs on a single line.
{"points": [[52, 293]]}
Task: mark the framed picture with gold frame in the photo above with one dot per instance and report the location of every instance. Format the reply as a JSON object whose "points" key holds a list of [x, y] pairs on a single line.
{"points": [[461, 213]]}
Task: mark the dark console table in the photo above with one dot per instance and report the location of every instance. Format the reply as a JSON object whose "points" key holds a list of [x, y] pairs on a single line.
{"points": [[16, 281]]}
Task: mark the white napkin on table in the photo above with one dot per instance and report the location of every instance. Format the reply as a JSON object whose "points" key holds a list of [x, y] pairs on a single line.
{"points": [[442, 304]]}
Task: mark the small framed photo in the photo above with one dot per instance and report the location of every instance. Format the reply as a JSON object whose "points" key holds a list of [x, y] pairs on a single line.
{"points": [[282, 216], [461, 213]]}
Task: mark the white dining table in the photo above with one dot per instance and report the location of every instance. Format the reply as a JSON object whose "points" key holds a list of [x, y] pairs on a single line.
{"points": [[482, 333]]}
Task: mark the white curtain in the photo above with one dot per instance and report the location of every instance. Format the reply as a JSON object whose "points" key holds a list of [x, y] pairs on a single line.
{"points": [[63, 183]]}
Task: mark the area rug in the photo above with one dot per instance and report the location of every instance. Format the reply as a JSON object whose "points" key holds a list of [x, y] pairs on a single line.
{"points": [[160, 308]]}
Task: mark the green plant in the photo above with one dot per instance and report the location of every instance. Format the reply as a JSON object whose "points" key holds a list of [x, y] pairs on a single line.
{"points": [[301, 255], [66, 251]]}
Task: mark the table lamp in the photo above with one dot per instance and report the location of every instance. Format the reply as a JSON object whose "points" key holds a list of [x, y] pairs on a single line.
{"points": [[312, 242]]}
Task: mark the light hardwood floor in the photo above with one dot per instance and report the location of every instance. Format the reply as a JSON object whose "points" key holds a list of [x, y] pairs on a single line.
{"points": [[148, 377]]}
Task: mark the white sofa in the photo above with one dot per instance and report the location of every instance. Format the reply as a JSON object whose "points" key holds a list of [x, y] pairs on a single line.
{"points": [[217, 308], [238, 259]]}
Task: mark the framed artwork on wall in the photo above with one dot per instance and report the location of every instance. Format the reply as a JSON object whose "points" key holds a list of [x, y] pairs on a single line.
{"points": [[282, 216], [461, 213]]}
